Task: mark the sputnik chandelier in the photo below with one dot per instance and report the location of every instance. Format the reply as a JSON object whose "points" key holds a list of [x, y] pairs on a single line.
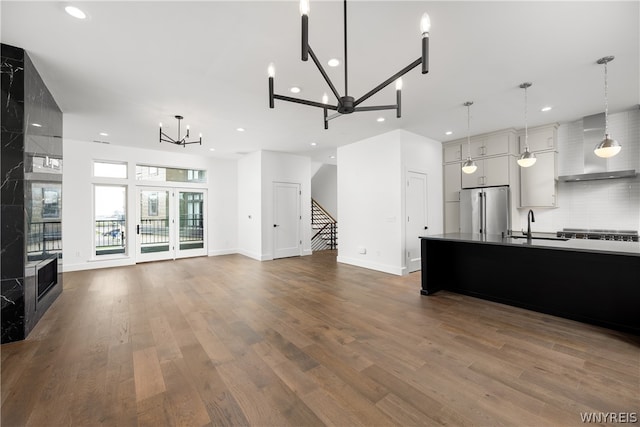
{"points": [[348, 104], [179, 141]]}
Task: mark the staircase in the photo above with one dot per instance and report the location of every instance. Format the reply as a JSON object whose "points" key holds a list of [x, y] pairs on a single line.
{"points": [[324, 228]]}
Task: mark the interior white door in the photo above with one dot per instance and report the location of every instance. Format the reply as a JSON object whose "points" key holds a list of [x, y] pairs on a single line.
{"points": [[416, 209], [286, 220]]}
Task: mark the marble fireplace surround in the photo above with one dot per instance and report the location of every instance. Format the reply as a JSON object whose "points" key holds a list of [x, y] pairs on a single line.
{"points": [[31, 170]]}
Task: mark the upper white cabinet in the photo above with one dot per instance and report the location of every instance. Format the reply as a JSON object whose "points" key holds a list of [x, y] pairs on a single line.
{"points": [[452, 153], [542, 138], [491, 171]]}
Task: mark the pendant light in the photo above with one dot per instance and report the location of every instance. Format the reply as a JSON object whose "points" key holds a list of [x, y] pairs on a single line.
{"points": [[527, 158], [608, 147], [469, 166]]}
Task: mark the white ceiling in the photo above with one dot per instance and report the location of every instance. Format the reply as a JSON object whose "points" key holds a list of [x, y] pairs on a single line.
{"points": [[131, 65]]}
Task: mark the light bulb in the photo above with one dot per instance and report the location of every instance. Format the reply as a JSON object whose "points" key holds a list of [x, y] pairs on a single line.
{"points": [[425, 24], [608, 147], [160, 124], [271, 70], [188, 127], [399, 84], [200, 135], [526, 159], [325, 99], [304, 7], [469, 166]]}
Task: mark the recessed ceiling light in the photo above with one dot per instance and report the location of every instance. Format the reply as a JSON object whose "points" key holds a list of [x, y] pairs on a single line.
{"points": [[294, 89], [75, 12], [104, 134], [212, 149], [313, 144], [240, 129], [448, 132], [546, 108], [38, 125], [333, 62], [380, 119], [332, 157]]}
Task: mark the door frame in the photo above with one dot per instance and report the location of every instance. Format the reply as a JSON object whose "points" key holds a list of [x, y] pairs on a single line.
{"points": [[298, 186], [173, 208], [412, 263]]}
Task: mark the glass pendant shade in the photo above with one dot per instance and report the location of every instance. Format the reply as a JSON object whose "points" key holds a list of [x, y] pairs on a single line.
{"points": [[526, 159], [608, 147], [469, 166]]}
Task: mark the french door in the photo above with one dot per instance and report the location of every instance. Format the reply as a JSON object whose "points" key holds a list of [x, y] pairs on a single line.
{"points": [[171, 223]]}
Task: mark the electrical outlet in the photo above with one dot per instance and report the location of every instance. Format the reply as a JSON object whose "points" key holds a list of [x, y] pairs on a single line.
{"points": [[362, 250]]}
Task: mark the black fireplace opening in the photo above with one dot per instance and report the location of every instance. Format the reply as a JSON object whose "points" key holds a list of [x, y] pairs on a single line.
{"points": [[47, 277]]}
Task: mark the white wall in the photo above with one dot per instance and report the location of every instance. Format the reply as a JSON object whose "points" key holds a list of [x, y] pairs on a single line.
{"points": [[256, 174], [324, 188], [77, 193], [612, 204], [371, 197], [250, 205]]}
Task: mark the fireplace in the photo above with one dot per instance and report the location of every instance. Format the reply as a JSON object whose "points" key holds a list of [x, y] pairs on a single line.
{"points": [[46, 276]]}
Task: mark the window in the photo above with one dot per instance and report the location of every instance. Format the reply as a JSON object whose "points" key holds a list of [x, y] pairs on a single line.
{"points": [[152, 208], [109, 169], [155, 173], [110, 223]]}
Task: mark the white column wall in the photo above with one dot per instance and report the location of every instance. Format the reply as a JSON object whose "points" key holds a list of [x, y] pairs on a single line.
{"points": [[250, 205], [370, 203], [371, 197]]}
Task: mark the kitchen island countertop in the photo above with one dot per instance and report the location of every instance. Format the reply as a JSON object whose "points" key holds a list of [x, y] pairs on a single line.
{"points": [[592, 281], [579, 245]]}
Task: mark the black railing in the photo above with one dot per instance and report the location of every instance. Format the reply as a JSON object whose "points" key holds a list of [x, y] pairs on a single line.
{"points": [[44, 237], [153, 231], [325, 227], [110, 236], [325, 238], [191, 228]]}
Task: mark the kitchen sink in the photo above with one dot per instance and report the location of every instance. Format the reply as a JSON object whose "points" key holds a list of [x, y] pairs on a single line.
{"points": [[562, 239]]}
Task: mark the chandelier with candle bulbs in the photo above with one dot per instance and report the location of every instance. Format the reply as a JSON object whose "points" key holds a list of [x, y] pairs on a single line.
{"points": [[347, 104], [180, 140]]}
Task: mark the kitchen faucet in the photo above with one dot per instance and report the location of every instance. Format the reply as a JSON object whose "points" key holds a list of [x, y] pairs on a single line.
{"points": [[530, 218]]}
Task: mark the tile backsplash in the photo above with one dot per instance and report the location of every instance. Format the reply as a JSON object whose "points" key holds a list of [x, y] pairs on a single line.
{"points": [[612, 204]]}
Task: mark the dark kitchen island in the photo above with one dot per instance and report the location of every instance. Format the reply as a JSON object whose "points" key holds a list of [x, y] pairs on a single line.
{"points": [[592, 281]]}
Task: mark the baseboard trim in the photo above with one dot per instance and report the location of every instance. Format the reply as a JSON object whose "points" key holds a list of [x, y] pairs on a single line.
{"points": [[391, 269]]}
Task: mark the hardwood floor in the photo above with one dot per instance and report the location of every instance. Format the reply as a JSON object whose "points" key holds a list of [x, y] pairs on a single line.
{"points": [[303, 341]]}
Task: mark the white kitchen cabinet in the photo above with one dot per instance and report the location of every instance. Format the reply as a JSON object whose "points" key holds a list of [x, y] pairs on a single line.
{"points": [[491, 171], [452, 153], [538, 183], [452, 182], [452, 217], [542, 138]]}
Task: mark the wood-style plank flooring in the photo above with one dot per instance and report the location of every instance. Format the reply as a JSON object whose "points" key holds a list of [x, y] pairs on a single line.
{"points": [[303, 342]]}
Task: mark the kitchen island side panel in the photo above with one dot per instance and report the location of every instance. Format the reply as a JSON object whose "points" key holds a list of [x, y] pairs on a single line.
{"points": [[596, 288]]}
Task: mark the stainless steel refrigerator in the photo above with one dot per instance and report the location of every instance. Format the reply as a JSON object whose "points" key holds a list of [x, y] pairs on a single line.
{"points": [[485, 210]]}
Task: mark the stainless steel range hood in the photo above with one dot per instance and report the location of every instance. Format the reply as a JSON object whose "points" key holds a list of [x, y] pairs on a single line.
{"points": [[595, 167]]}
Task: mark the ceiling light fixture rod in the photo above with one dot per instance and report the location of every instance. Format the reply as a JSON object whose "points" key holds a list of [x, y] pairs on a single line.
{"points": [[348, 104], [179, 141], [346, 79]]}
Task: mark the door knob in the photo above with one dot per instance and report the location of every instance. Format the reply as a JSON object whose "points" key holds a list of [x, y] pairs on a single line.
{"points": [[425, 227], [276, 225]]}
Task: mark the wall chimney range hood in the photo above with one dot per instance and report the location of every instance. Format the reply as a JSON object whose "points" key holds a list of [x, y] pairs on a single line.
{"points": [[595, 167]]}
